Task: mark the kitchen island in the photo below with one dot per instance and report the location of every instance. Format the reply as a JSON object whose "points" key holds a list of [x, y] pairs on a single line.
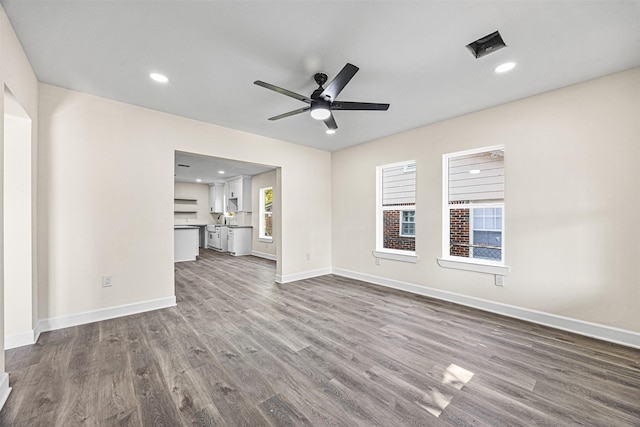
{"points": [[186, 240]]}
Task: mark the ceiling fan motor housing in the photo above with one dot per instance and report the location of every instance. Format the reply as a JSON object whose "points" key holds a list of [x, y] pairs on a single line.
{"points": [[320, 78]]}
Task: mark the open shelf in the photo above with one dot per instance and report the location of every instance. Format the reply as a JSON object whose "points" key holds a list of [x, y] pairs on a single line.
{"points": [[186, 201]]}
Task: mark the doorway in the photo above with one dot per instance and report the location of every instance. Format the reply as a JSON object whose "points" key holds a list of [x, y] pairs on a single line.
{"points": [[214, 180]]}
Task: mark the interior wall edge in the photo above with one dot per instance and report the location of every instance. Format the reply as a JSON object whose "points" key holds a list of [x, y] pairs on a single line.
{"points": [[580, 327], [5, 390]]}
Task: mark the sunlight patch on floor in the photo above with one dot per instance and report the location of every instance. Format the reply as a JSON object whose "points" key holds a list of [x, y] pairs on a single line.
{"points": [[456, 376]]}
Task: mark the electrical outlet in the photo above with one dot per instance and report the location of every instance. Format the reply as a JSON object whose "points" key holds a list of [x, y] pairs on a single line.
{"points": [[106, 281], [499, 280]]}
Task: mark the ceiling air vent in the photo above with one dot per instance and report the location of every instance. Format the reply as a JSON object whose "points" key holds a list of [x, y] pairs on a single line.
{"points": [[486, 45], [183, 166]]}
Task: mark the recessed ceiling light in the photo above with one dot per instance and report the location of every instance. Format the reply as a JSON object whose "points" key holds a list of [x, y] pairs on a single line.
{"points": [[474, 171], [198, 180], [330, 131], [220, 172], [160, 78], [503, 68]]}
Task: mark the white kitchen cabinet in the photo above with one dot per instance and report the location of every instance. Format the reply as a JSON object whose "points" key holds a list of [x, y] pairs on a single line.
{"points": [[234, 188], [239, 194], [216, 197], [239, 240], [185, 243], [218, 237]]}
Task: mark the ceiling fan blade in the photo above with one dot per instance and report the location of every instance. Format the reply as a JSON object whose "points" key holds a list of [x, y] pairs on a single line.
{"points": [[290, 113], [345, 105], [338, 83], [283, 91], [331, 122]]}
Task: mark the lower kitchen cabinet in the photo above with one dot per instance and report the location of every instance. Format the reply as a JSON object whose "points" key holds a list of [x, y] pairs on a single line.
{"points": [[217, 237], [185, 243], [239, 240]]}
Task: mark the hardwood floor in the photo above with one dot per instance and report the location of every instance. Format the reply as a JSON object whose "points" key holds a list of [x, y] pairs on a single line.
{"points": [[240, 350]]}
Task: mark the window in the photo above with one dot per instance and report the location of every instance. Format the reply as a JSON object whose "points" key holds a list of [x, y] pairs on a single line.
{"points": [[408, 223], [473, 206], [396, 211], [266, 215], [486, 233]]}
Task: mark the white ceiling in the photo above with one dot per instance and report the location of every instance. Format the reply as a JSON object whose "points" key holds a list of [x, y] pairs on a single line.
{"points": [[411, 54], [204, 169]]}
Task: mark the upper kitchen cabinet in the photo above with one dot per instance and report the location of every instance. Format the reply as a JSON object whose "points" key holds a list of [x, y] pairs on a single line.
{"points": [[216, 197], [239, 194]]}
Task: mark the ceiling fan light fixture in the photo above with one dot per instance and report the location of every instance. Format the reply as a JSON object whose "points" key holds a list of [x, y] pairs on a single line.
{"points": [[320, 111], [330, 131]]}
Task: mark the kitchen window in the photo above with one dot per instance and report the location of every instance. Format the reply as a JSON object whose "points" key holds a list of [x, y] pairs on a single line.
{"points": [[266, 215], [396, 212], [473, 210]]}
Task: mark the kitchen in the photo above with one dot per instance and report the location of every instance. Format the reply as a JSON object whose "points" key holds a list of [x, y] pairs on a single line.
{"points": [[216, 207]]}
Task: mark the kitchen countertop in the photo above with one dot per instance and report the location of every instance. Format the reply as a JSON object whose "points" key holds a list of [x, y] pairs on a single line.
{"points": [[239, 226], [185, 227]]}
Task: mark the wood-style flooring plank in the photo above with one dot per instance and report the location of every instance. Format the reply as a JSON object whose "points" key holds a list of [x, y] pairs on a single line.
{"points": [[242, 350]]}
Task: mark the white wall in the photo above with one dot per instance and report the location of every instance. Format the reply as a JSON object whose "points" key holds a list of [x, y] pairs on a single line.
{"points": [[16, 75], [267, 179], [107, 174], [199, 192], [17, 226], [572, 202]]}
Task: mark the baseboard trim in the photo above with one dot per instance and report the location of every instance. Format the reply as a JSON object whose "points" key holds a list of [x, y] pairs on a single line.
{"points": [[264, 255], [589, 329], [5, 390], [83, 318], [19, 339], [302, 275]]}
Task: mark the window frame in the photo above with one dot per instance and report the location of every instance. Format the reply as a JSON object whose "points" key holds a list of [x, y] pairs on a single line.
{"points": [[262, 212], [380, 251], [468, 263]]}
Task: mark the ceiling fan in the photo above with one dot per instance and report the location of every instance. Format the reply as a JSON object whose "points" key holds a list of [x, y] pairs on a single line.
{"points": [[323, 100]]}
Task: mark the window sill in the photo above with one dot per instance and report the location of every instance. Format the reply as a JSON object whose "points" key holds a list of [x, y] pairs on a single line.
{"points": [[500, 270], [265, 240], [413, 258]]}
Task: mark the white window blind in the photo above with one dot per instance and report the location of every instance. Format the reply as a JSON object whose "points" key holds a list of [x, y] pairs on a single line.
{"points": [[399, 185], [476, 177]]}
